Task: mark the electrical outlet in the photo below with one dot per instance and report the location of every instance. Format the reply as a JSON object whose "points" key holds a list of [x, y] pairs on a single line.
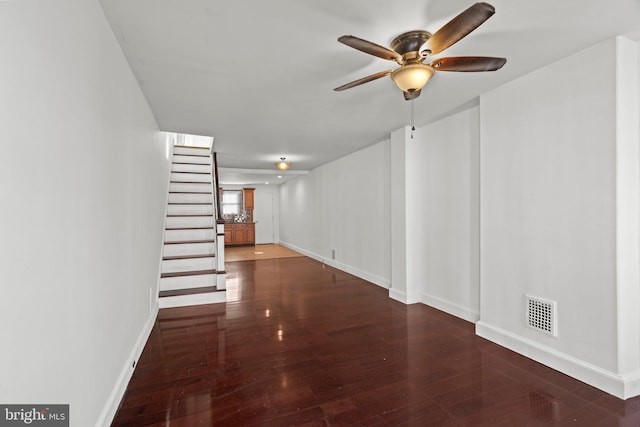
{"points": [[333, 254]]}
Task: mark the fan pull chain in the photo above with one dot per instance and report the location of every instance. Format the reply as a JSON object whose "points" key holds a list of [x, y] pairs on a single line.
{"points": [[413, 128]]}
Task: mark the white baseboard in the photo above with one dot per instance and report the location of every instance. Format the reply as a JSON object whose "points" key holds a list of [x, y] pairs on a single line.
{"points": [[399, 296], [369, 277], [450, 308], [622, 386], [111, 406]]}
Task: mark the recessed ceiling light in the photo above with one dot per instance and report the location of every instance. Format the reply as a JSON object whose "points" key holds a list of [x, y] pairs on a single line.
{"points": [[279, 176]]}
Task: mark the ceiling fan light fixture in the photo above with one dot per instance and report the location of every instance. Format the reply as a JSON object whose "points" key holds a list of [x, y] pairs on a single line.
{"points": [[282, 165], [412, 77]]}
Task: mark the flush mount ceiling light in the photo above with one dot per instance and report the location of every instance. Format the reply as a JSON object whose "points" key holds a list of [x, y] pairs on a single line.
{"points": [[412, 77], [282, 165]]}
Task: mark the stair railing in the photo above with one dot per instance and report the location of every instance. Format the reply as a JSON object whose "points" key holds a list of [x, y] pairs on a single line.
{"points": [[216, 188], [221, 276]]}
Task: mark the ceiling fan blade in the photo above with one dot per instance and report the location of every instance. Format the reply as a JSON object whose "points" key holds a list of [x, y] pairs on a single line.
{"points": [[459, 27], [408, 96], [468, 63], [370, 48], [363, 80]]}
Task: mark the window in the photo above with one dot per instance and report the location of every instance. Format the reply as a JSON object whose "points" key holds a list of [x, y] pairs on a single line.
{"points": [[231, 202]]}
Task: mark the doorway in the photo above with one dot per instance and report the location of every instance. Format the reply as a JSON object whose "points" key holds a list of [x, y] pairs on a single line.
{"points": [[263, 216]]}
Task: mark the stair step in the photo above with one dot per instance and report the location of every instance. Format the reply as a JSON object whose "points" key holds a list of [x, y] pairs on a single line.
{"points": [[188, 273], [190, 177], [184, 265], [188, 228], [189, 256], [189, 209], [191, 160], [192, 151], [187, 204], [198, 187], [193, 173], [187, 163], [191, 182], [193, 281], [188, 216], [188, 249], [191, 154], [190, 192], [186, 222], [190, 198], [190, 168], [177, 236], [214, 297], [189, 242], [188, 291]]}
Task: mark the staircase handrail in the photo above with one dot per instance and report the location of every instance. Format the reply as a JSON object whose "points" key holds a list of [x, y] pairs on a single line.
{"points": [[216, 188]]}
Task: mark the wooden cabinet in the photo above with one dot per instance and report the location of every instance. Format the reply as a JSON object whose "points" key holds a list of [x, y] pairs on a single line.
{"points": [[239, 234], [251, 234], [247, 199], [236, 234]]}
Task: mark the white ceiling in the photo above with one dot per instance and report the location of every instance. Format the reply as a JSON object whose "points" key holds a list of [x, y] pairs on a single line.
{"points": [[240, 176], [259, 76]]}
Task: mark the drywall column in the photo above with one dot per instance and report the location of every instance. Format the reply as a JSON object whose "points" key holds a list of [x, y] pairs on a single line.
{"points": [[628, 215], [404, 287]]}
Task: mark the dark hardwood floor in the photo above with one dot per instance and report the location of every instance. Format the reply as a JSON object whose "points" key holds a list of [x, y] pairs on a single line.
{"points": [[302, 344]]}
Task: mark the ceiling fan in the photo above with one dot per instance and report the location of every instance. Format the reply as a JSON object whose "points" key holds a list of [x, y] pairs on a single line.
{"points": [[411, 49]]}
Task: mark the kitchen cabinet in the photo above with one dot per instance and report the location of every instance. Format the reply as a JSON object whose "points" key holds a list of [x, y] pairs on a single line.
{"points": [[247, 199], [239, 234], [236, 234], [250, 234]]}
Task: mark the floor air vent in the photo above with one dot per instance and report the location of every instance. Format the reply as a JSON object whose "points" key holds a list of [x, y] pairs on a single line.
{"points": [[541, 315]]}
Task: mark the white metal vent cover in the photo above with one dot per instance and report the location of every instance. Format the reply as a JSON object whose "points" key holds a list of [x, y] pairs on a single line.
{"points": [[542, 315]]}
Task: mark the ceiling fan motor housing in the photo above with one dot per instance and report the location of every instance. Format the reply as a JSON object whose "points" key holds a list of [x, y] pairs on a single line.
{"points": [[408, 44]]}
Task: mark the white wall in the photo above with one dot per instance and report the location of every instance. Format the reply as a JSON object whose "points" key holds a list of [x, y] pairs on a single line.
{"points": [[83, 180], [343, 205], [442, 193], [550, 218]]}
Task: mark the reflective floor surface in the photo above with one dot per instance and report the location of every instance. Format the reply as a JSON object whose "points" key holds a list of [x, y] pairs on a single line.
{"points": [[299, 343]]}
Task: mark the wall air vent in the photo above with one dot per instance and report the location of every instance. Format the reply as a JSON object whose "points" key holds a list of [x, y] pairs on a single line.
{"points": [[541, 315]]}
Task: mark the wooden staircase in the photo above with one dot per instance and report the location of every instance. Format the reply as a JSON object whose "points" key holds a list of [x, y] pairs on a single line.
{"points": [[190, 273]]}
